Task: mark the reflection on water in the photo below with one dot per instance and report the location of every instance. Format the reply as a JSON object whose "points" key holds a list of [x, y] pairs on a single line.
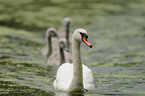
{"points": [[115, 29], [69, 94]]}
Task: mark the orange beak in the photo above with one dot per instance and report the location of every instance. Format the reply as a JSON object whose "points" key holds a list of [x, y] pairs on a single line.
{"points": [[86, 41]]}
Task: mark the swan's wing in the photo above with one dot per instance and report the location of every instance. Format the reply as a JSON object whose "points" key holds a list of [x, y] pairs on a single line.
{"points": [[88, 79], [63, 77]]}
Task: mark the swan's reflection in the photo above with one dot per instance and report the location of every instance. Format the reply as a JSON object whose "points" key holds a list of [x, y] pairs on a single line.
{"points": [[69, 94], [73, 94]]}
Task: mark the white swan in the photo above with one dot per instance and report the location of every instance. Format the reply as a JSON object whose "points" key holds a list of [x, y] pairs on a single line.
{"points": [[75, 77]]}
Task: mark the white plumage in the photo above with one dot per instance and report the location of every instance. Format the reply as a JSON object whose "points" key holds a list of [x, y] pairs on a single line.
{"points": [[65, 74], [75, 77]]}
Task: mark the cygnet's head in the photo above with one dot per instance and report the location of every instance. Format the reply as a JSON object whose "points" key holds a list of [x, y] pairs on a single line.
{"points": [[67, 21], [51, 32], [81, 36], [63, 44]]}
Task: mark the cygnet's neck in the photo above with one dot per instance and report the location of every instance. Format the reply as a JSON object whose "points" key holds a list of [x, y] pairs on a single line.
{"points": [[67, 29], [49, 46], [62, 57]]}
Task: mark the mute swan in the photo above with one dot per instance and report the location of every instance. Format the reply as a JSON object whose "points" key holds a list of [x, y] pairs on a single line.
{"points": [[65, 32], [47, 50], [75, 77], [59, 57], [62, 46]]}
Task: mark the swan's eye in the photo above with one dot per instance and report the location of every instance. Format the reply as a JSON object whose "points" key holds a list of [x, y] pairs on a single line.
{"points": [[84, 35], [86, 39]]}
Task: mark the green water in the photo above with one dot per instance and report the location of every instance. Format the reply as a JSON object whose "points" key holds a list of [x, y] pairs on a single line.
{"points": [[116, 29]]}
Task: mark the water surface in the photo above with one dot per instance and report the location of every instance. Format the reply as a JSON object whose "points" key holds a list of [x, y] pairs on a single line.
{"points": [[116, 30]]}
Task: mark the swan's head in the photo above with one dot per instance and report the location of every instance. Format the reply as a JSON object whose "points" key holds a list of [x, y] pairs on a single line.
{"points": [[67, 21], [63, 44], [81, 36], [51, 32]]}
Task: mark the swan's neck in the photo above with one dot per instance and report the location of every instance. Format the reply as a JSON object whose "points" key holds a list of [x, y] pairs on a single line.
{"points": [[49, 46], [62, 58], [77, 81], [67, 27]]}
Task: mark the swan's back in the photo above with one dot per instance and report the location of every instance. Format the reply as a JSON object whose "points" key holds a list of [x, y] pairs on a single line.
{"points": [[65, 74]]}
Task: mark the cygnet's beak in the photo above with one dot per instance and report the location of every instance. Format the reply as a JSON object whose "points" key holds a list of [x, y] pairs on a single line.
{"points": [[66, 49], [57, 37]]}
